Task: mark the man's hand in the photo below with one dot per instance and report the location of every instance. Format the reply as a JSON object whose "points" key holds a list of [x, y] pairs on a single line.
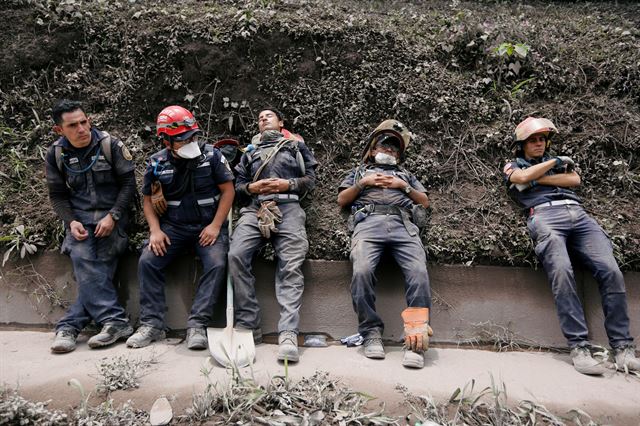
{"points": [[380, 180], [268, 215], [209, 235], [565, 161], [158, 242], [269, 186], [157, 198], [77, 231], [105, 226]]}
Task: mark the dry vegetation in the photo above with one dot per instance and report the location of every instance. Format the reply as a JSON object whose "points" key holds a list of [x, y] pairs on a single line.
{"points": [[337, 69]]}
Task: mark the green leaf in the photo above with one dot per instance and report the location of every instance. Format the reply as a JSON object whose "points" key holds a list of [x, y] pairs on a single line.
{"points": [[521, 49]]}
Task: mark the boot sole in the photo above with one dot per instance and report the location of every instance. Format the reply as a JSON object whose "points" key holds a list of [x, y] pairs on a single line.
{"points": [[592, 371], [411, 364], [290, 358], [197, 346], [118, 336], [62, 351], [138, 346], [376, 356]]}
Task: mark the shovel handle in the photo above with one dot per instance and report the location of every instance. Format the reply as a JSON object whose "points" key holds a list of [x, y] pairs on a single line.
{"points": [[229, 282]]}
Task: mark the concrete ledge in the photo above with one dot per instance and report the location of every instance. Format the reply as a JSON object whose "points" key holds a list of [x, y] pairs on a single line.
{"points": [[471, 304]]}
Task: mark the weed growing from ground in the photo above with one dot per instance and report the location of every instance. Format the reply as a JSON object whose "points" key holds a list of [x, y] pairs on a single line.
{"points": [[15, 410], [121, 372], [315, 400], [486, 407]]}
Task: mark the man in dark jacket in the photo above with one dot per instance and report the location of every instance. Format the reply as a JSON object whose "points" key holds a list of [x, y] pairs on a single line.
{"points": [[188, 192], [385, 201], [91, 182], [275, 173]]}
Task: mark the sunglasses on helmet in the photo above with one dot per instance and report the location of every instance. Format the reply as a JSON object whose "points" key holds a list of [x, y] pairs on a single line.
{"points": [[187, 122]]}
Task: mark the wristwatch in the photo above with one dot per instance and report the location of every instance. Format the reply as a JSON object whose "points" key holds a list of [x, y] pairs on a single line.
{"points": [[115, 215], [407, 189]]}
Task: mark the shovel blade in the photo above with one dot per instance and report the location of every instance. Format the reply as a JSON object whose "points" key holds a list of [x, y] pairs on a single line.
{"points": [[231, 347]]}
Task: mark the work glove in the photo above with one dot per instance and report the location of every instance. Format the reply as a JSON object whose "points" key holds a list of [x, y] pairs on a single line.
{"points": [[416, 329], [268, 214], [157, 198], [565, 161]]}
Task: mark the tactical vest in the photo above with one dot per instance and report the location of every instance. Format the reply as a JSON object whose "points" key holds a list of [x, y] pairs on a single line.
{"points": [[286, 163], [198, 203], [92, 184]]}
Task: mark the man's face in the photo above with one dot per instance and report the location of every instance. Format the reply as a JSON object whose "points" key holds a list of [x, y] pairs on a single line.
{"points": [[268, 120], [178, 144], [76, 127], [535, 145], [389, 145]]}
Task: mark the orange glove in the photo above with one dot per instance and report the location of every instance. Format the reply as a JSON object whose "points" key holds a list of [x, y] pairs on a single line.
{"points": [[416, 329], [157, 198]]}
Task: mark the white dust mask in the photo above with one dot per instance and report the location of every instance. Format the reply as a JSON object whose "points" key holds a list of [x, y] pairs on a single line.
{"points": [[384, 158], [189, 151]]}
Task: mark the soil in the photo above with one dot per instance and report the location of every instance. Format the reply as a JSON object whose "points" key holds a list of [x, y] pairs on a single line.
{"points": [[336, 69]]}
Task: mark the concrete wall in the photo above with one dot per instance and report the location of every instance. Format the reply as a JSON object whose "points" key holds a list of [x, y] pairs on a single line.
{"points": [[471, 304]]}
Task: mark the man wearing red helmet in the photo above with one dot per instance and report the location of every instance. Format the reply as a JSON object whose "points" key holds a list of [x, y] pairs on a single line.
{"points": [[274, 175], [188, 191], [559, 226]]}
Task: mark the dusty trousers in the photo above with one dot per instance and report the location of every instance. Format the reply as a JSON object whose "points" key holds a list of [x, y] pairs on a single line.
{"points": [[290, 245], [370, 238], [560, 230], [94, 264], [151, 274]]}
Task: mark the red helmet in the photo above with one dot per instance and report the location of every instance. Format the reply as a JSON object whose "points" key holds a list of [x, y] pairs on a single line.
{"points": [[176, 123]]}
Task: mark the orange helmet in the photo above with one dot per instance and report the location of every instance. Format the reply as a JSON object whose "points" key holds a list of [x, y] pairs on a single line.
{"points": [[531, 126], [176, 123]]}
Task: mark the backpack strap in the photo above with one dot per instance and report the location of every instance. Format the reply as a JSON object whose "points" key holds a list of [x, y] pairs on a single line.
{"points": [[58, 154], [105, 147], [105, 144]]}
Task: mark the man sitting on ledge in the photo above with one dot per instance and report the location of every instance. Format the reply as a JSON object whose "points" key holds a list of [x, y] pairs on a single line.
{"points": [[91, 182], [385, 201], [559, 225]]}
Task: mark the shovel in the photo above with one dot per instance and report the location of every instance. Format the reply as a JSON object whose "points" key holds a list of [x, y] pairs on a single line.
{"points": [[229, 346]]}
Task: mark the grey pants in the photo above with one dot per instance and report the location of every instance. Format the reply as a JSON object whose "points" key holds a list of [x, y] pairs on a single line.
{"points": [[290, 245]]}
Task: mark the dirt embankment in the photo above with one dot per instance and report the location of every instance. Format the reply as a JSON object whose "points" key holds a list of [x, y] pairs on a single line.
{"points": [[336, 70]]}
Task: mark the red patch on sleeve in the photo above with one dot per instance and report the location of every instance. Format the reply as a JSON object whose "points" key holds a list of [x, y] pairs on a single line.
{"points": [[508, 169]]}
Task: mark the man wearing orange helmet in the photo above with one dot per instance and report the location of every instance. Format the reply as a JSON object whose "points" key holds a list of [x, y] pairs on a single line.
{"points": [[91, 182], [274, 175], [559, 225], [188, 191], [384, 199]]}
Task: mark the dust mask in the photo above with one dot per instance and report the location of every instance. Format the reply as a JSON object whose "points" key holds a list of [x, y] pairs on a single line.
{"points": [[384, 158], [189, 151]]}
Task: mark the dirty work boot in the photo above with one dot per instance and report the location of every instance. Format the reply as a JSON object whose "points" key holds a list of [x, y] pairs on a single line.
{"points": [[65, 341], [413, 359], [110, 333], [288, 346], [626, 357], [373, 346], [144, 336], [584, 363], [196, 338]]}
